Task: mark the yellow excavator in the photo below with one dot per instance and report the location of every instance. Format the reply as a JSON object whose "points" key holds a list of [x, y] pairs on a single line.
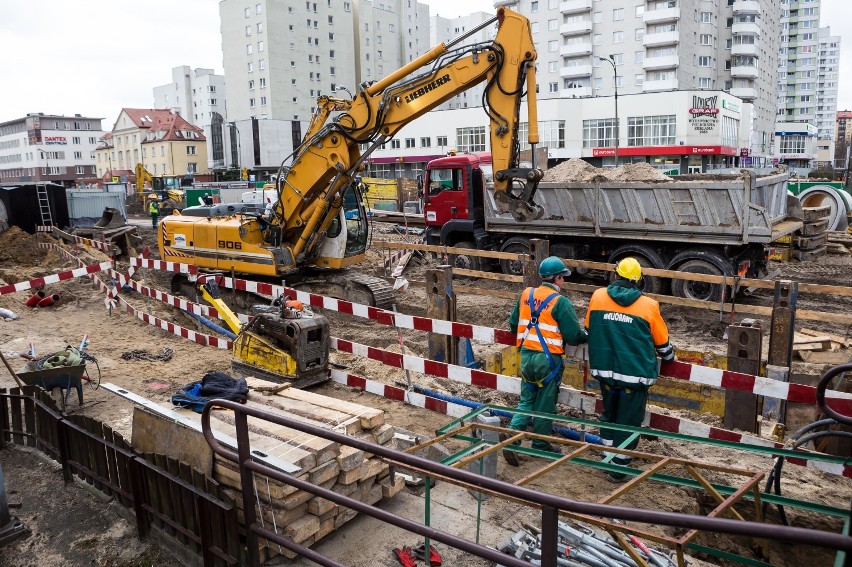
{"points": [[318, 226], [283, 342], [165, 188]]}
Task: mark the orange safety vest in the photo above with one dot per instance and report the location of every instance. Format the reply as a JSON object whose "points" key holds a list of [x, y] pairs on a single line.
{"points": [[547, 325]]}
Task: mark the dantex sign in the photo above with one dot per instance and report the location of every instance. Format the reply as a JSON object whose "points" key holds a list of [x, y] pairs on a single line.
{"points": [[55, 140], [665, 151]]}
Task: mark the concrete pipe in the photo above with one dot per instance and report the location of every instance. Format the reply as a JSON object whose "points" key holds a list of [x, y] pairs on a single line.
{"points": [[837, 200], [49, 300], [34, 299]]}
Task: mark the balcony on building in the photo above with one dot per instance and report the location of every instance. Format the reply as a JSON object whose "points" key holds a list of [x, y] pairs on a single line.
{"points": [[509, 3], [574, 49], [745, 49], [576, 92], [749, 28], [744, 72], [575, 71], [746, 7], [575, 28], [660, 38], [575, 6], [661, 62], [661, 15], [662, 85], [745, 93]]}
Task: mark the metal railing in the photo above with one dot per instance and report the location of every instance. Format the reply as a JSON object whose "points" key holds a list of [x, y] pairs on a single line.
{"points": [[550, 505]]}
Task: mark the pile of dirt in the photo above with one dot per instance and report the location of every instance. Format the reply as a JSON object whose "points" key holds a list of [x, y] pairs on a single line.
{"points": [[577, 170], [21, 248]]}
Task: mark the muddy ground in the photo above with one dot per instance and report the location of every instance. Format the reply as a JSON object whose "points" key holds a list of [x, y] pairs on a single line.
{"points": [[81, 311]]}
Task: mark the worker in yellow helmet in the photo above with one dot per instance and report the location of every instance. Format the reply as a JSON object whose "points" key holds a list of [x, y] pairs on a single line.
{"points": [[154, 210], [626, 335]]}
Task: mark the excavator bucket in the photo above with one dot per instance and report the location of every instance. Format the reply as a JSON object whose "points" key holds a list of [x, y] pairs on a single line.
{"points": [[111, 218]]}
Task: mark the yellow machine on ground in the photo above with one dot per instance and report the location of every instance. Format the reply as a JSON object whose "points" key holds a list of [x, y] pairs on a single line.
{"points": [[318, 223], [166, 187], [282, 343]]}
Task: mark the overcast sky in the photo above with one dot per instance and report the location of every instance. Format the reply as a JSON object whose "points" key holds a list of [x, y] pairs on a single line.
{"points": [[96, 56]]}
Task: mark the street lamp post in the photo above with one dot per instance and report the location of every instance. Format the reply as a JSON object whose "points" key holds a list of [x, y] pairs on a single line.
{"points": [[44, 155], [611, 61]]}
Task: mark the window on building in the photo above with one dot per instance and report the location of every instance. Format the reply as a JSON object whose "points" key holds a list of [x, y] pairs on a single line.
{"points": [[703, 60], [730, 129], [248, 31], [618, 58], [395, 144], [793, 144], [471, 139], [441, 141], [705, 39], [533, 27], [618, 37], [552, 46], [75, 139], [640, 9], [597, 39], [79, 169], [638, 56], [597, 17], [553, 87], [259, 46], [705, 17], [252, 102], [251, 67], [259, 27], [191, 150], [425, 142], [598, 133], [258, 9], [552, 24], [251, 85], [261, 64], [703, 83], [409, 143], [617, 14], [248, 12], [534, 6], [78, 155], [552, 66], [598, 83], [651, 130], [638, 34], [639, 79]]}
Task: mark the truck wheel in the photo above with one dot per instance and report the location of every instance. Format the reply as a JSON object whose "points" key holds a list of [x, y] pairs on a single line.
{"points": [[465, 261], [698, 290], [515, 246]]}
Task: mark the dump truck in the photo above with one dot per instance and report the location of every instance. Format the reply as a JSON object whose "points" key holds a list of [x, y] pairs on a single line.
{"points": [[706, 224]]}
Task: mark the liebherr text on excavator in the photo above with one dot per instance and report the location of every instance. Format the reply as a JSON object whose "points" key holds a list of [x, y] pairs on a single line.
{"points": [[318, 225]]}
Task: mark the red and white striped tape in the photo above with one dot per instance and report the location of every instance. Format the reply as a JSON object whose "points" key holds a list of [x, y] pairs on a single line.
{"points": [[726, 379], [393, 258], [54, 278], [44, 228], [165, 266], [169, 299]]}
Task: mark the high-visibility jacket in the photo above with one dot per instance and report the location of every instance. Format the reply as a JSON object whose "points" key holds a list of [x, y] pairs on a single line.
{"points": [[154, 208], [547, 325], [626, 334]]}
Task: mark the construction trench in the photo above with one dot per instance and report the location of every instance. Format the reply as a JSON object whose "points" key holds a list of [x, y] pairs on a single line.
{"points": [[707, 451]]}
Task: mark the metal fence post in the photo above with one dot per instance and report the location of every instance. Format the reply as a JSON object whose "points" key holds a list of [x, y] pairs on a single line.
{"points": [[781, 342], [745, 348], [549, 533], [539, 250], [441, 304]]}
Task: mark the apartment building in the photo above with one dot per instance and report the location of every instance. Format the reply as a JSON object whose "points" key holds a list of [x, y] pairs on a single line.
{"points": [[49, 147], [279, 57], [807, 82], [161, 140], [843, 139], [442, 30], [198, 95], [653, 46]]}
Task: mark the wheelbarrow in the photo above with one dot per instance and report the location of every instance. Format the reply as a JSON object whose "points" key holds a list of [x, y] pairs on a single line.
{"points": [[63, 377]]}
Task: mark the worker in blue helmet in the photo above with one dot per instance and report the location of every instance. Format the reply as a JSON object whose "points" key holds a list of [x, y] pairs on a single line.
{"points": [[543, 321]]}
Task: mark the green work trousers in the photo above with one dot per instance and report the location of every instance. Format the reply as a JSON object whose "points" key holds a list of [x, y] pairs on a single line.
{"points": [[535, 366], [154, 217], [622, 406]]}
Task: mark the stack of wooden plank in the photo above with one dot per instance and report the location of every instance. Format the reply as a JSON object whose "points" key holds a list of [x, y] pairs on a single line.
{"points": [[839, 242], [297, 514], [821, 348]]}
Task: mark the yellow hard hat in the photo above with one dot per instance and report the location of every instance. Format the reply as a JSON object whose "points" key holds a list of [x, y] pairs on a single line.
{"points": [[629, 269], [153, 196]]}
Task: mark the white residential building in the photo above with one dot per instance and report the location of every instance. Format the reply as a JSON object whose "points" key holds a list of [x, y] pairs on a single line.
{"points": [[442, 30], [198, 96], [49, 147], [807, 82], [280, 57], [687, 130], [660, 46]]}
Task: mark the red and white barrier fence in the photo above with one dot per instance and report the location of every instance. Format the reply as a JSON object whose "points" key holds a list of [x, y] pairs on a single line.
{"points": [[55, 278], [44, 228]]}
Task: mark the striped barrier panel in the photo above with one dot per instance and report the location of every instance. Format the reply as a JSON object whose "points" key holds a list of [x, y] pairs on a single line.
{"points": [[55, 278]]}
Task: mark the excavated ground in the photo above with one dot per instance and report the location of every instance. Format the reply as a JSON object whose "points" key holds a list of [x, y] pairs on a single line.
{"points": [[81, 311]]}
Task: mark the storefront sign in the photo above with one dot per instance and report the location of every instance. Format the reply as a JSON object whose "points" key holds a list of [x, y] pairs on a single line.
{"points": [[704, 105], [745, 162], [55, 140], [727, 105], [665, 150], [744, 152]]}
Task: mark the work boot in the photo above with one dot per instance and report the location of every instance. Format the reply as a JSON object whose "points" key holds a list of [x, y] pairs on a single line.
{"points": [[510, 456], [616, 478], [551, 448]]}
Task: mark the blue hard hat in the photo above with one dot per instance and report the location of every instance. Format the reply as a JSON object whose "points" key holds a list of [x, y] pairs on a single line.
{"points": [[553, 266]]}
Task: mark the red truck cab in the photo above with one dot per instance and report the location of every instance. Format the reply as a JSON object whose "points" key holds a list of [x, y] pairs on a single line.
{"points": [[452, 198]]}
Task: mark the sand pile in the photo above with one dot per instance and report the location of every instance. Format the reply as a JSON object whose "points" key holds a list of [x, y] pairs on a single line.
{"points": [[20, 247], [577, 171]]}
